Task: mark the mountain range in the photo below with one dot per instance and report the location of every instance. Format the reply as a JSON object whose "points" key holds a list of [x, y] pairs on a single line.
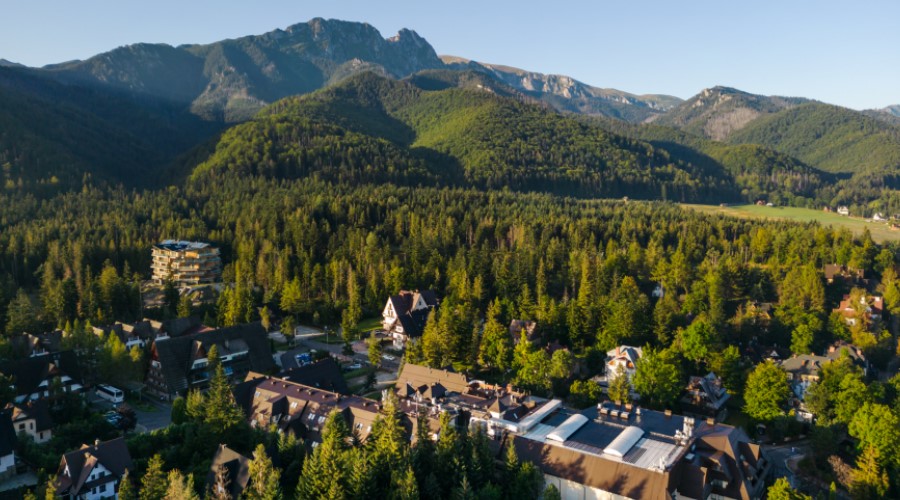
{"points": [[139, 113]]}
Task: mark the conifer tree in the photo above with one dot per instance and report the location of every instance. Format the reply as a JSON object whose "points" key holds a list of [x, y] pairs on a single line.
{"points": [[432, 349], [126, 487], [264, 477], [870, 480], [361, 481], [220, 410], [181, 487], [154, 484], [495, 351], [551, 492], [194, 405], [405, 486], [185, 307], [324, 472]]}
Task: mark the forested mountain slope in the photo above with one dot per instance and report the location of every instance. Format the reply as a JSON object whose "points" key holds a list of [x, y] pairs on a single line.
{"points": [[829, 137], [388, 130], [718, 112], [52, 135], [760, 172]]}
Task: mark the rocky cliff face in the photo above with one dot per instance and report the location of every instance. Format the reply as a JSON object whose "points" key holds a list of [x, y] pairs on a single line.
{"points": [[232, 79], [568, 94], [717, 112]]}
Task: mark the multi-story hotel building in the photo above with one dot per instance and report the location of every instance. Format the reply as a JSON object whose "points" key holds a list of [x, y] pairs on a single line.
{"points": [[186, 262]]}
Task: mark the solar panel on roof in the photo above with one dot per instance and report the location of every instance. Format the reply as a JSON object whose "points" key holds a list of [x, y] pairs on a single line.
{"points": [[634, 455]]}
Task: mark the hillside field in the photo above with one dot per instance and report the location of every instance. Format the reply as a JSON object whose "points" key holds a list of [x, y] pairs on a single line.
{"points": [[881, 231]]}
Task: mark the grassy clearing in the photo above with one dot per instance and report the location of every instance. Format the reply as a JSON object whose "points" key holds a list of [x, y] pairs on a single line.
{"points": [[881, 232], [369, 324]]}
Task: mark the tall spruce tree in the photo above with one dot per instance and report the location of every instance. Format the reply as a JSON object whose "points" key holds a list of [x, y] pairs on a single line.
{"points": [[264, 477], [221, 412], [154, 484]]}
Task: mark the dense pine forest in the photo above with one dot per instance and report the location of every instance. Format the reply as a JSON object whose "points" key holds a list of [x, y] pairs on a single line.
{"points": [[311, 249], [327, 203]]}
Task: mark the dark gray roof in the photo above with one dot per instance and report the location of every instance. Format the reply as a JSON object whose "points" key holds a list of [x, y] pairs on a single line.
{"points": [[28, 373], [111, 454], [7, 433], [323, 374], [237, 469], [39, 410], [174, 354], [413, 321]]}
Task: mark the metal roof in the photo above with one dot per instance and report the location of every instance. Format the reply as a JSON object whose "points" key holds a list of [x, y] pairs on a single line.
{"points": [[567, 428], [624, 441]]}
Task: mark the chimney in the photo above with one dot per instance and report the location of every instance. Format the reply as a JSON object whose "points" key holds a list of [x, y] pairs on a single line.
{"points": [[668, 413], [711, 422], [96, 443]]}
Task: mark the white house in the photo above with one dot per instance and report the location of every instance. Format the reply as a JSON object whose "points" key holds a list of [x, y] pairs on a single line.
{"points": [[8, 443], [94, 472], [406, 313]]}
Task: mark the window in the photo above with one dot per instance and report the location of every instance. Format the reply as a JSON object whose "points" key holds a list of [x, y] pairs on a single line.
{"points": [[102, 488], [312, 416], [321, 419], [257, 394], [21, 427], [294, 405]]}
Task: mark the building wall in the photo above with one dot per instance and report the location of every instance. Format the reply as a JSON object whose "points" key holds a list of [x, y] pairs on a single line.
{"points": [[8, 465], [187, 267], [109, 492], [570, 490]]}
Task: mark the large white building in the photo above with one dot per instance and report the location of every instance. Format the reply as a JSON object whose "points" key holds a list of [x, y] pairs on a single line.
{"points": [[186, 263]]}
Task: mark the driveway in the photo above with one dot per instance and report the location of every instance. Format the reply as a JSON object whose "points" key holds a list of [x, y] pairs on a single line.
{"points": [[152, 415], [780, 455]]}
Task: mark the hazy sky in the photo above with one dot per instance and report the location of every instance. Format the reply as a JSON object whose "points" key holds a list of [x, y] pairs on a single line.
{"points": [[845, 53]]}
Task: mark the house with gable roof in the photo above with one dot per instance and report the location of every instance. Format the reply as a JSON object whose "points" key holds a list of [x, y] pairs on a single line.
{"points": [[93, 472], [178, 364], [32, 418], [8, 443], [406, 313], [38, 377], [236, 468]]}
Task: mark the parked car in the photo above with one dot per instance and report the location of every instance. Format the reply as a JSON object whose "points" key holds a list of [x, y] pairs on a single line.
{"points": [[354, 366], [388, 357]]}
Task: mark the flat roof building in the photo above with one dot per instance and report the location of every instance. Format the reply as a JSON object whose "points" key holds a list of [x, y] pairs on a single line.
{"points": [[627, 452]]}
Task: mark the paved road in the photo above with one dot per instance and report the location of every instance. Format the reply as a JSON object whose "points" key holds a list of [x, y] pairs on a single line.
{"points": [[147, 419], [158, 418], [779, 455]]}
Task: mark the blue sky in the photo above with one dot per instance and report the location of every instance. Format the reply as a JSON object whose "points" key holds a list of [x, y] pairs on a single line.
{"points": [[845, 53]]}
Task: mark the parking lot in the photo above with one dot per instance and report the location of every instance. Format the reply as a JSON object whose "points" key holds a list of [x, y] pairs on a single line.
{"points": [[151, 415]]}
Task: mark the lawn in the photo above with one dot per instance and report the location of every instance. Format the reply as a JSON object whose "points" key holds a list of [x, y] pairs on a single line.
{"points": [[881, 231], [369, 324]]}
